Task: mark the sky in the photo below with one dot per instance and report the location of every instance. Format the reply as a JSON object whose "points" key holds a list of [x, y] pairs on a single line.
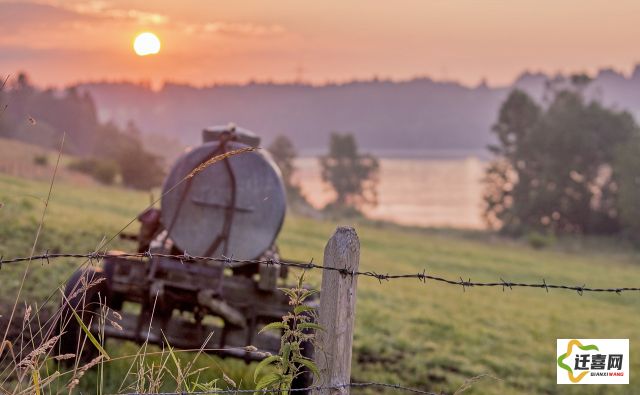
{"points": [[227, 41]]}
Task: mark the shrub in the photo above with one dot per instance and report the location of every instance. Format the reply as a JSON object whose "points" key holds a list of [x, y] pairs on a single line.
{"points": [[539, 240], [41, 160], [139, 168], [101, 170]]}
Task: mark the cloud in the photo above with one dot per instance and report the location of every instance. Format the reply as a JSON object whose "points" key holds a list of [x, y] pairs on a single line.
{"points": [[235, 29], [20, 16], [102, 9], [16, 17], [142, 17]]}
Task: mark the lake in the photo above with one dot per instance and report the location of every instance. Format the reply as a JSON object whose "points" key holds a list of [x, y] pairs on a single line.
{"points": [[421, 192]]}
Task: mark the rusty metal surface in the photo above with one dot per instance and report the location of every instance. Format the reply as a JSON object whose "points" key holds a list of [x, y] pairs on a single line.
{"points": [[192, 287], [196, 221]]}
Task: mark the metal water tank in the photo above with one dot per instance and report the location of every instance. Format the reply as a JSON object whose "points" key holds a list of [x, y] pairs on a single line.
{"points": [[234, 207]]}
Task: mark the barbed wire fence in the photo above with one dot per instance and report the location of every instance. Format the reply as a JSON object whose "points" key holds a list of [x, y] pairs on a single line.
{"points": [[230, 262]]}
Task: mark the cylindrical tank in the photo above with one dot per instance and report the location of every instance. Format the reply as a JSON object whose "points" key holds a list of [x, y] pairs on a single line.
{"points": [[235, 206]]}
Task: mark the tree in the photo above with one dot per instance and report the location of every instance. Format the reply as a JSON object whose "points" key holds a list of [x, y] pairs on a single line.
{"points": [[627, 167], [552, 170], [506, 198], [4, 126], [18, 97], [139, 168], [284, 154], [352, 175]]}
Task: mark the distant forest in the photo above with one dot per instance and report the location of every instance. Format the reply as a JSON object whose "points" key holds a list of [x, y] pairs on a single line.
{"points": [[385, 116], [103, 150], [388, 117]]}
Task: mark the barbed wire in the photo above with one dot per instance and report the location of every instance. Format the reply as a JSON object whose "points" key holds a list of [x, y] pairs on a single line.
{"points": [[233, 262], [316, 388]]}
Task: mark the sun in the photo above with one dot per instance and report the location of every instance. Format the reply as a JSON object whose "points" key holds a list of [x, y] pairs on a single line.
{"points": [[146, 43]]}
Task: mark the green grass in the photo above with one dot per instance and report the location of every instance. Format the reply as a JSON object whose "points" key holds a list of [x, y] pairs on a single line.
{"points": [[432, 336]]}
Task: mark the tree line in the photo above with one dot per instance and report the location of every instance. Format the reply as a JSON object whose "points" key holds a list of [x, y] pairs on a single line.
{"points": [[105, 151]]}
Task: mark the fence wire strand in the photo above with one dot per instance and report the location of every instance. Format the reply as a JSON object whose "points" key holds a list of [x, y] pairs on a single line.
{"points": [[317, 388], [232, 262]]}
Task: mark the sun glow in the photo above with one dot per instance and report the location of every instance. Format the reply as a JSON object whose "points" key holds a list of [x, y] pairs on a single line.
{"points": [[146, 44]]}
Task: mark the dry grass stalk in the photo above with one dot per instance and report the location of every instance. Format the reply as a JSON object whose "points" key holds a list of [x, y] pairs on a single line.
{"points": [[9, 346], [85, 286], [218, 158], [62, 357], [229, 381], [468, 383], [27, 316], [75, 380], [31, 360], [116, 325]]}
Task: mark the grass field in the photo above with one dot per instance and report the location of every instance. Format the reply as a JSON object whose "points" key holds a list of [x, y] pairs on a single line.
{"points": [[430, 336]]}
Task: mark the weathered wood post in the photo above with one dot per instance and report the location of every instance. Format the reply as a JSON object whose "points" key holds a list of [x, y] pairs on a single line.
{"points": [[337, 311]]}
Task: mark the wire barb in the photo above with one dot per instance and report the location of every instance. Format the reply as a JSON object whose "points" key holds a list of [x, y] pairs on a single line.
{"points": [[505, 284], [423, 276], [45, 257]]}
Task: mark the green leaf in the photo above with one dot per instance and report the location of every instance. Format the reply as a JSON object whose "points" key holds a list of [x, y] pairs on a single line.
{"points": [[265, 362], [285, 353], [309, 364], [310, 325], [302, 309], [273, 325], [308, 293], [289, 292], [86, 331], [266, 381]]}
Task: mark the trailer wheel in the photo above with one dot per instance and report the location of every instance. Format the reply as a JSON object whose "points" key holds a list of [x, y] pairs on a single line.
{"points": [[84, 292]]}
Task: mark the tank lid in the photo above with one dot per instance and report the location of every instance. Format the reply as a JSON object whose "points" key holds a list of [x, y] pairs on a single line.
{"points": [[241, 135]]}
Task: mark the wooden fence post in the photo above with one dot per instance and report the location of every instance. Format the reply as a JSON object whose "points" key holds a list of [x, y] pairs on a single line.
{"points": [[337, 311]]}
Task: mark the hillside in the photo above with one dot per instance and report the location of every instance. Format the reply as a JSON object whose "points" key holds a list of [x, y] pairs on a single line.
{"points": [[431, 336], [415, 115], [19, 159]]}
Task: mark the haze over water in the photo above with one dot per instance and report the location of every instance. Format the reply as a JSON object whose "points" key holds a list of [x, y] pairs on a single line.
{"points": [[418, 192]]}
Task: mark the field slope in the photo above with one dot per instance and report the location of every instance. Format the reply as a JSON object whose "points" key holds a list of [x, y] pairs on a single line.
{"points": [[431, 336]]}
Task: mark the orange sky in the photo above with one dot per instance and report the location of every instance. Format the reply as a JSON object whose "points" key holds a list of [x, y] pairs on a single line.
{"points": [[206, 41]]}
